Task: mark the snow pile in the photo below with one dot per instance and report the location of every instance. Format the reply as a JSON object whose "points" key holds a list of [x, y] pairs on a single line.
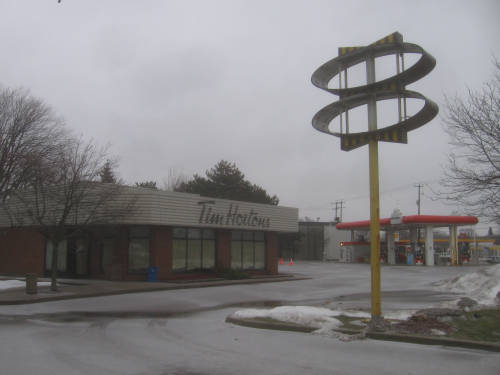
{"points": [[398, 315], [482, 285], [317, 317], [9, 284], [322, 319]]}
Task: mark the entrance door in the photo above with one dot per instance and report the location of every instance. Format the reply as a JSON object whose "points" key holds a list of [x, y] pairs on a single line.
{"points": [[401, 254], [62, 257], [78, 258], [81, 258], [72, 258]]}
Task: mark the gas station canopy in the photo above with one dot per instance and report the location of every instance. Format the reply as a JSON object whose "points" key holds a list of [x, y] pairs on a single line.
{"points": [[412, 221]]}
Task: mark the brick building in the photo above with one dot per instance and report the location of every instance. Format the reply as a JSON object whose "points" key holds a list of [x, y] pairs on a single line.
{"points": [[181, 235]]}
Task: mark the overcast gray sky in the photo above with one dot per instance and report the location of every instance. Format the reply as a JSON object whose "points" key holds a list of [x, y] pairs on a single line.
{"points": [[183, 84]]}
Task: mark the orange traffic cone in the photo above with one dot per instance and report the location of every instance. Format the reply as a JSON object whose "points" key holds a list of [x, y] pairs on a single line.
{"points": [[291, 261], [281, 260]]}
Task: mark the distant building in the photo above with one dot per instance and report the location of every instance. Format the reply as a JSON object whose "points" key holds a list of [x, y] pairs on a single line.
{"points": [[316, 240]]}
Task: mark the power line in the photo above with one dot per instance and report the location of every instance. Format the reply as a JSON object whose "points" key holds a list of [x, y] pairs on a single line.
{"points": [[367, 196]]}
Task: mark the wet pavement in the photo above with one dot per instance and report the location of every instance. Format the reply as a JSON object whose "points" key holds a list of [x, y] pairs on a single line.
{"points": [[80, 288], [183, 330]]}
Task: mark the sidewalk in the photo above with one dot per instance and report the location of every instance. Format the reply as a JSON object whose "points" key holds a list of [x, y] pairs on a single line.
{"points": [[82, 288]]}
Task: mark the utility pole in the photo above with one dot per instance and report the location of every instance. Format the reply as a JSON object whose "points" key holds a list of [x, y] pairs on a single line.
{"points": [[339, 205], [419, 186]]}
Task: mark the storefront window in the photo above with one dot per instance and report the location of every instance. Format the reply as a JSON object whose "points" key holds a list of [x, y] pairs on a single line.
{"points": [[236, 245], [194, 249], [138, 249], [248, 254], [260, 255], [208, 256], [193, 254], [179, 254], [61, 256], [248, 250]]}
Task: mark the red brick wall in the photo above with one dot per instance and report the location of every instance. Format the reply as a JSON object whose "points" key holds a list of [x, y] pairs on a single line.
{"points": [[120, 256], [95, 260], [223, 243], [272, 252], [21, 252]]}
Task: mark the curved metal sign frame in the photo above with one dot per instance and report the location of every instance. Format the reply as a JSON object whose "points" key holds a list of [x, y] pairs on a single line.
{"points": [[389, 88]]}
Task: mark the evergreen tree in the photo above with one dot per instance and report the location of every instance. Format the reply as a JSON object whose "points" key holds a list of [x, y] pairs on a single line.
{"points": [[107, 174], [147, 184], [226, 181]]}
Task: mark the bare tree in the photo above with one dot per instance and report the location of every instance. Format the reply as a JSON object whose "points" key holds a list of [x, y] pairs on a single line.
{"points": [[174, 180], [66, 197], [29, 131], [472, 177]]}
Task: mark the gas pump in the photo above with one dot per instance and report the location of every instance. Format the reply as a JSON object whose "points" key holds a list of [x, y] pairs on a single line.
{"points": [[464, 249], [410, 255], [419, 255]]}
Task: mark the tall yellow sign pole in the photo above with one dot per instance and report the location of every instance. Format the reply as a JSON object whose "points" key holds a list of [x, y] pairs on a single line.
{"points": [[376, 303], [351, 97]]}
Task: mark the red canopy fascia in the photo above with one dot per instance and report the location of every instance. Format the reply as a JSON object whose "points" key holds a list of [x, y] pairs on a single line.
{"points": [[414, 220]]}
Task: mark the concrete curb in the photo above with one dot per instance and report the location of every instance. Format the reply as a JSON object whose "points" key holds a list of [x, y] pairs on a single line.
{"points": [[383, 336], [23, 298], [431, 340], [278, 326]]}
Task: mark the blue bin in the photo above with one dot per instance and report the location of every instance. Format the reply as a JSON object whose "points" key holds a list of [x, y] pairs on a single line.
{"points": [[410, 259], [152, 274]]}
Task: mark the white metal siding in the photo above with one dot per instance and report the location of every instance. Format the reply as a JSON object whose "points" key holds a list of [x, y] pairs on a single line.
{"points": [[179, 209], [155, 207]]}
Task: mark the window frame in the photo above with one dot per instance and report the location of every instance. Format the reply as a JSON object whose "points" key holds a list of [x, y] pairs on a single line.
{"points": [[205, 234], [47, 266], [246, 237], [145, 235]]}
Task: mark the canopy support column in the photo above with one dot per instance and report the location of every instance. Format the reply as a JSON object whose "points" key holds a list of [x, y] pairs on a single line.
{"points": [[413, 244], [429, 246], [391, 248]]}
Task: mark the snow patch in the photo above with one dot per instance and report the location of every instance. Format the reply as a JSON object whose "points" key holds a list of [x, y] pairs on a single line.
{"points": [[9, 284], [307, 316], [399, 315], [437, 332], [317, 317], [358, 323], [482, 285]]}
